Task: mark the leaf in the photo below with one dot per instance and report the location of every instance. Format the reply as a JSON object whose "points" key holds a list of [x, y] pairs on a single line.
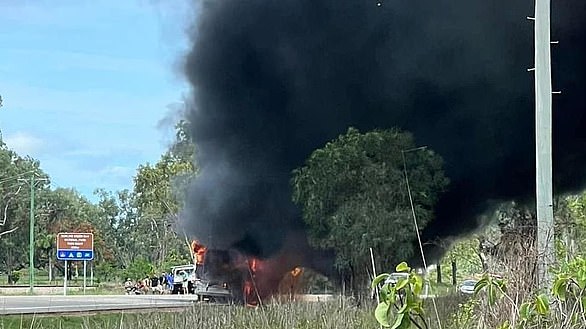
{"points": [[542, 304], [403, 308], [418, 309], [403, 267], [491, 292], [525, 311], [418, 286], [384, 294], [480, 286], [399, 321], [389, 295], [402, 283], [380, 278], [559, 288], [501, 285], [381, 313]]}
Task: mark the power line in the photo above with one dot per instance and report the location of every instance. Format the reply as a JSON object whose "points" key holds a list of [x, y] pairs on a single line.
{"points": [[18, 175], [11, 186], [415, 222]]}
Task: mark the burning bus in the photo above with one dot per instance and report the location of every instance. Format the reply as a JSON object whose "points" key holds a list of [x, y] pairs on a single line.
{"points": [[229, 276]]}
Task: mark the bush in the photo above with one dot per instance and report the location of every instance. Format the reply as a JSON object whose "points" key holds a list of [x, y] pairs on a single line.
{"points": [[139, 269], [13, 277]]}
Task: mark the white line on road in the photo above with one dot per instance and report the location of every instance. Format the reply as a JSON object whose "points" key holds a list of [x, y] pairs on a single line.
{"points": [[86, 306]]}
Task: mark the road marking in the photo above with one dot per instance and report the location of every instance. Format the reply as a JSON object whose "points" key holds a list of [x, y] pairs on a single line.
{"points": [[85, 308]]}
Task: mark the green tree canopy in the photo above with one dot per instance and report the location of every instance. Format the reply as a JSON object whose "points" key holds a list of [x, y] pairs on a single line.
{"points": [[15, 172], [158, 191], [354, 196]]}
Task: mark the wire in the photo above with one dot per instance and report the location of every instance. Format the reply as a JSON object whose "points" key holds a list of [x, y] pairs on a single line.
{"points": [[11, 186], [417, 226], [16, 176]]}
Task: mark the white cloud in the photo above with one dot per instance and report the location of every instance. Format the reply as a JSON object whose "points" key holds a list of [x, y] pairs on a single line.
{"points": [[24, 143]]}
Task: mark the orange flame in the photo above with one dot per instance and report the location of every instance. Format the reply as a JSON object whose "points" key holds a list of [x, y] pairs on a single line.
{"points": [[250, 293], [199, 250], [296, 272]]}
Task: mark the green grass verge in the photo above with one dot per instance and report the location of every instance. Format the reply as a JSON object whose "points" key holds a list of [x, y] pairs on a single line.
{"points": [[276, 316]]}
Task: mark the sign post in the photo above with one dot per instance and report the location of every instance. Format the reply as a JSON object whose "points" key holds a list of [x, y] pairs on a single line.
{"points": [[75, 246], [84, 272], [65, 279]]}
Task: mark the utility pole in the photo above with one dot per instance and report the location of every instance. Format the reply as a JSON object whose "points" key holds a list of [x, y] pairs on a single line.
{"points": [[1, 140], [543, 141], [31, 250], [31, 246]]}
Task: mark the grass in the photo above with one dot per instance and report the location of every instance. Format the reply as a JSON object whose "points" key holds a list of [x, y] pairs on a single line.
{"points": [[44, 280], [275, 316], [70, 291], [21, 322]]}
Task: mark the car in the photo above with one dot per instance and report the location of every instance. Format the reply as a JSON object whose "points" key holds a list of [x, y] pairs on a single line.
{"points": [[395, 277], [467, 287], [204, 290], [178, 278]]}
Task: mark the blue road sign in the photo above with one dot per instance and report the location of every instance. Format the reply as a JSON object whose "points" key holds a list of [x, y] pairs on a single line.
{"points": [[74, 254]]}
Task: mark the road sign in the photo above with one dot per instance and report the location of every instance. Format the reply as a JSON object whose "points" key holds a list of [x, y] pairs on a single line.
{"points": [[75, 246]]}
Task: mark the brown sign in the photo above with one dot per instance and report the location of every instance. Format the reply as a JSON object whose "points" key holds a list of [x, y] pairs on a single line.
{"points": [[75, 241]]}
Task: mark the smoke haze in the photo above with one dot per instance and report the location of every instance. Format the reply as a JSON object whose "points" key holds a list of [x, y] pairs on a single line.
{"points": [[274, 80]]}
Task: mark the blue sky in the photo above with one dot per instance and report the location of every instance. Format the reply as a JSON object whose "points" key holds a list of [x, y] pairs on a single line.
{"points": [[87, 84]]}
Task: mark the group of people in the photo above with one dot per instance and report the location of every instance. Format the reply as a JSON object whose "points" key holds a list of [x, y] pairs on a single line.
{"points": [[155, 284]]}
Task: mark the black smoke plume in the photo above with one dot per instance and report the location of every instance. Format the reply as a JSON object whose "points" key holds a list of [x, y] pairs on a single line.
{"points": [[274, 80]]}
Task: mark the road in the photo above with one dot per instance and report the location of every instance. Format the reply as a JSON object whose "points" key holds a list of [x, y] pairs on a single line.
{"points": [[89, 303]]}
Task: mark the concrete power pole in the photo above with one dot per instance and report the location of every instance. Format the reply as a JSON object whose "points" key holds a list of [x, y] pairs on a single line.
{"points": [[543, 141]]}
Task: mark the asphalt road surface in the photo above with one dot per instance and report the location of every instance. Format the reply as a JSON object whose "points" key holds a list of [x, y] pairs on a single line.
{"points": [[89, 303]]}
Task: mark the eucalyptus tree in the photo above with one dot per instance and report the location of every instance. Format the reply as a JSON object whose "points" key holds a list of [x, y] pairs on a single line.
{"points": [[353, 196]]}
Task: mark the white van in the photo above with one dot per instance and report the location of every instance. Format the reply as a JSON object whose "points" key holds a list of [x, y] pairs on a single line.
{"points": [[179, 280]]}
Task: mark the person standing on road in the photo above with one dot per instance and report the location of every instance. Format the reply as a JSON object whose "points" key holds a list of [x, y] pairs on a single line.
{"points": [[155, 284], [163, 282], [170, 282], [184, 284], [146, 282]]}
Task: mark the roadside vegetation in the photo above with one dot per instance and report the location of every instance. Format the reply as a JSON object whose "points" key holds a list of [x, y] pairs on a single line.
{"points": [[134, 230], [502, 259], [353, 197], [288, 315], [354, 201]]}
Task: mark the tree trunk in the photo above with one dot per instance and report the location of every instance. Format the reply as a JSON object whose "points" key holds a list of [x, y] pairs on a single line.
{"points": [[439, 273], [454, 269], [481, 254]]}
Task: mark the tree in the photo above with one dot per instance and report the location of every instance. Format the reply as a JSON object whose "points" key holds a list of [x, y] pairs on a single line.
{"points": [[129, 227], [158, 191], [571, 226], [14, 206], [66, 210], [463, 256], [354, 197]]}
